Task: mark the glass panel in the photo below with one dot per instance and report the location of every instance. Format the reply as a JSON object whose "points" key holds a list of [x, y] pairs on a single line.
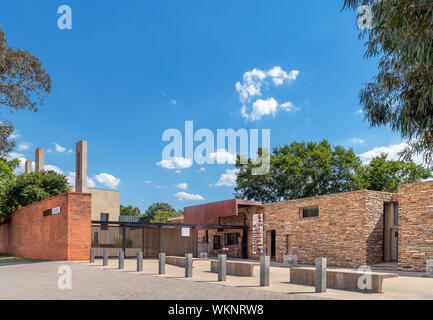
{"points": [[311, 212], [396, 214]]}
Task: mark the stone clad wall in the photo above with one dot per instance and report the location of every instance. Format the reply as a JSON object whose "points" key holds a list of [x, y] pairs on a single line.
{"points": [[416, 225], [348, 231]]}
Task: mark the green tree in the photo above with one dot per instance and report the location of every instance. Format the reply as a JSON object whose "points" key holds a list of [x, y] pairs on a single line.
{"points": [[303, 170], [160, 212], [300, 170], [7, 170], [381, 174], [401, 94], [23, 85], [27, 189], [129, 211]]}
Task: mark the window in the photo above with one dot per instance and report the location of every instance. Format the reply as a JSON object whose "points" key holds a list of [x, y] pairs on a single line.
{"points": [[396, 214], [310, 212], [104, 218], [231, 239]]}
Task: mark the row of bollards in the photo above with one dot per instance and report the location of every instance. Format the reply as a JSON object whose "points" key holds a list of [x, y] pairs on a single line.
{"points": [[265, 261]]}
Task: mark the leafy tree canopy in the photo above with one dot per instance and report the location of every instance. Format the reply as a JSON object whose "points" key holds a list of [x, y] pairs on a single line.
{"points": [[160, 212], [30, 188], [386, 175], [24, 84], [302, 170], [129, 211], [401, 94]]}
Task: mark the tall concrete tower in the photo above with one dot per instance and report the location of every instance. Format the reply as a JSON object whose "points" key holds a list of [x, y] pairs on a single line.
{"points": [[39, 159], [28, 166], [81, 167]]}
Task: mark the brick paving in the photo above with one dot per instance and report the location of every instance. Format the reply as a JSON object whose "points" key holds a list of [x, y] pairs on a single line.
{"points": [[39, 281]]}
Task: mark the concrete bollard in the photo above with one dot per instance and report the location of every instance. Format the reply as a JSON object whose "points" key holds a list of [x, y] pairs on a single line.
{"points": [[429, 267], [222, 267], [161, 263], [139, 261], [121, 259], [265, 263], [92, 255], [320, 275], [105, 258], [188, 265]]}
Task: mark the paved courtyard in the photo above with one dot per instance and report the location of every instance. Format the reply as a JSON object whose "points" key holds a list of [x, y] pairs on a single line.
{"points": [[93, 281]]}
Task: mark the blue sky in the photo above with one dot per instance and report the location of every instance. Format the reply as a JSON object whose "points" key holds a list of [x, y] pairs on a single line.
{"points": [[127, 71]]}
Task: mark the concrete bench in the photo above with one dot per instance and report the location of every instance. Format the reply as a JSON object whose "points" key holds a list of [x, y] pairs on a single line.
{"points": [[236, 268], [180, 261], [339, 279]]}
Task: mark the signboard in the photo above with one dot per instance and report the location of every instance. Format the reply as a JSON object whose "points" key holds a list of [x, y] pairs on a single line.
{"points": [[51, 212], [258, 234], [185, 232]]}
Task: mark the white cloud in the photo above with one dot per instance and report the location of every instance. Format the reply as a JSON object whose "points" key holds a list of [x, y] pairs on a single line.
{"points": [[228, 178], [59, 148], [202, 169], [182, 186], [187, 196], [251, 86], [360, 111], [24, 146], [148, 182], [223, 156], [177, 163], [15, 135], [173, 102], [15, 155], [357, 141], [49, 167], [70, 151], [71, 180], [392, 151], [107, 180]]}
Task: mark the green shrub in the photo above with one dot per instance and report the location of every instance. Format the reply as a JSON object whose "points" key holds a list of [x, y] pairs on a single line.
{"points": [[27, 189]]}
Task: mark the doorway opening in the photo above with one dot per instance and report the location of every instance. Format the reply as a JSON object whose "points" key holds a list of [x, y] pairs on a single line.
{"points": [[273, 244], [391, 232]]}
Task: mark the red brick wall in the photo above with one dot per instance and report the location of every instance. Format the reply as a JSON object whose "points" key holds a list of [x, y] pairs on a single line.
{"points": [[415, 225], [65, 236]]}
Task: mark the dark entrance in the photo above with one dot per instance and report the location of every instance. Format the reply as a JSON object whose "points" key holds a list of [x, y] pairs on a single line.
{"points": [[273, 243], [217, 242]]}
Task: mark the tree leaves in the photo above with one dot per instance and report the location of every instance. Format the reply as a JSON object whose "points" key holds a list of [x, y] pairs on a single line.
{"points": [[302, 170], [401, 95]]}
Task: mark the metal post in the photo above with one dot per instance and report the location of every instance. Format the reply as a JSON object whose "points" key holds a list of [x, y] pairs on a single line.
{"points": [[161, 263], [124, 238], [265, 262], [92, 255], [139, 261], [121, 259], [222, 267], [320, 275], [429, 267], [105, 259], [188, 265]]}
